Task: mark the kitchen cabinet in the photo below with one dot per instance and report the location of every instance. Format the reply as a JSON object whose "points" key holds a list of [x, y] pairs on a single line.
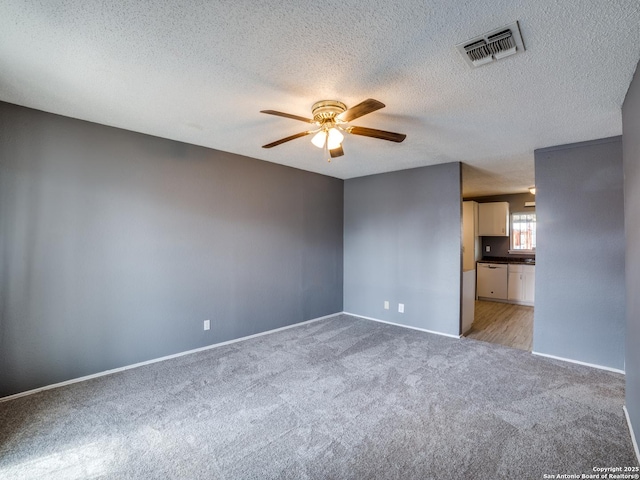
{"points": [[470, 240], [470, 254], [492, 281], [468, 299], [493, 219], [521, 284]]}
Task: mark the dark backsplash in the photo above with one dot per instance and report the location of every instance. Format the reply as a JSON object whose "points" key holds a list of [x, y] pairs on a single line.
{"points": [[500, 248]]}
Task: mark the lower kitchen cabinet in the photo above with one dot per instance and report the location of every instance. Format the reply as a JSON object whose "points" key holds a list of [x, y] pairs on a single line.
{"points": [[521, 284]]}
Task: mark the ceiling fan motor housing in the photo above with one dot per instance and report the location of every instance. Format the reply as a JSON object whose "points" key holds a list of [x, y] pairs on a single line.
{"points": [[326, 110]]}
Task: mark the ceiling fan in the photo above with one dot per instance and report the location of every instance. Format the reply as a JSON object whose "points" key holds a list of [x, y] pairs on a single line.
{"points": [[331, 118]]}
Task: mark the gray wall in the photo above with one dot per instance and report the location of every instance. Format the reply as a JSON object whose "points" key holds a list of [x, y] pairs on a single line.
{"points": [[115, 246], [402, 243], [500, 245], [631, 155], [580, 289]]}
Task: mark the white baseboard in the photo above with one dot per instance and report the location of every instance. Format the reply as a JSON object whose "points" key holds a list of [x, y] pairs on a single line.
{"points": [[161, 359], [633, 436], [401, 325], [592, 365]]}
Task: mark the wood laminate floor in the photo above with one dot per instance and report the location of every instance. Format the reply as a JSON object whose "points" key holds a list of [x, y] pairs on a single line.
{"points": [[503, 323]]}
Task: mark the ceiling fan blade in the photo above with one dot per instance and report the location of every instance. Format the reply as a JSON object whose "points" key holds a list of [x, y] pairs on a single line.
{"points": [[287, 139], [336, 152], [287, 115], [363, 108], [372, 132]]}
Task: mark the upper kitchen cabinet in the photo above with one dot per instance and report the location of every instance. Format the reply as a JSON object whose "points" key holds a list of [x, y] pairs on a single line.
{"points": [[493, 219]]}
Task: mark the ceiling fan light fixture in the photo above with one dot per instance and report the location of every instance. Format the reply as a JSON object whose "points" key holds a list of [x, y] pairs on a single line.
{"points": [[319, 139], [334, 138], [331, 118]]}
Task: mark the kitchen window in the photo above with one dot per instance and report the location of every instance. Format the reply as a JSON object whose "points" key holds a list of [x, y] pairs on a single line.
{"points": [[523, 233]]}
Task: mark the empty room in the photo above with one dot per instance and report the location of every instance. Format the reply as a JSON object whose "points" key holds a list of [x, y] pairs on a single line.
{"points": [[319, 240]]}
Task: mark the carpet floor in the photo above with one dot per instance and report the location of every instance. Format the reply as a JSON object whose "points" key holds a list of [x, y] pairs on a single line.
{"points": [[341, 398]]}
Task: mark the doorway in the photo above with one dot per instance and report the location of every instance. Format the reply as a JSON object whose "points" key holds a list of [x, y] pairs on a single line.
{"points": [[502, 294]]}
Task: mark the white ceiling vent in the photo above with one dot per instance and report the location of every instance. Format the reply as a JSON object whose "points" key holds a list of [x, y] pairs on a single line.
{"points": [[492, 46]]}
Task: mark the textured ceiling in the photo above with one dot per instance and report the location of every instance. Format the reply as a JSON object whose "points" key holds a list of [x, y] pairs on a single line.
{"points": [[201, 71]]}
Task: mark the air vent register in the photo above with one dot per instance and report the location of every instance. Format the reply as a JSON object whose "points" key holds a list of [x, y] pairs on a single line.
{"points": [[492, 46]]}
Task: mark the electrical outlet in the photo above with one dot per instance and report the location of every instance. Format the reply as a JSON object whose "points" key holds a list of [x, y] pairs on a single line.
{"points": [[386, 304], [401, 307], [207, 324], [487, 248]]}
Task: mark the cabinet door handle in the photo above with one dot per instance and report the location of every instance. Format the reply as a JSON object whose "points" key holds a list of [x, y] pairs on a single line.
{"points": [[492, 268]]}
